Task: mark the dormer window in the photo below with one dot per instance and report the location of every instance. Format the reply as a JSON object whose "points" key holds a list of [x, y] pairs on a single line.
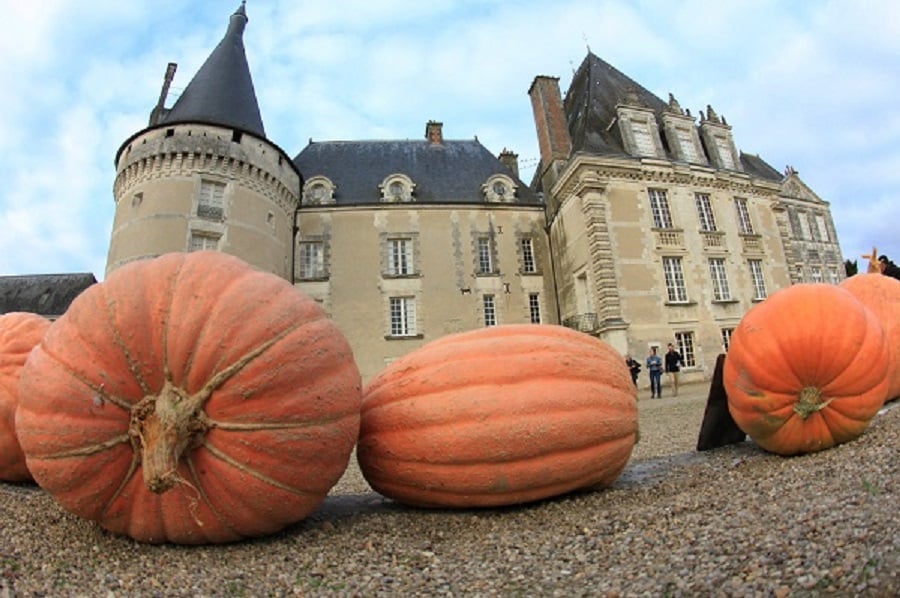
{"points": [[318, 190], [499, 189], [686, 143], [397, 188], [639, 130], [725, 155]]}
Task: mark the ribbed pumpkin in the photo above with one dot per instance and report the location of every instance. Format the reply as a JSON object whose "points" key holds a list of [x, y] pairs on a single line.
{"points": [[806, 369], [881, 294], [19, 333], [498, 416], [190, 399]]}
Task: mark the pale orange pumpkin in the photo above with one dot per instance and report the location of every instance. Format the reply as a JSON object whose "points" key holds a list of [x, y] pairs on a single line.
{"points": [[19, 333], [806, 369], [498, 416], [190, 399], [881, 294]]}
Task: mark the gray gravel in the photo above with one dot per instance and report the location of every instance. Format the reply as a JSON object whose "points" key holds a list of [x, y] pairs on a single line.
{"points": [[731, 522]]}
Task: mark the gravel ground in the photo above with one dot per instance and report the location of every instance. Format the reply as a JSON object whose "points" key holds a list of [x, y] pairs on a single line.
{"points": [[730, 522]]}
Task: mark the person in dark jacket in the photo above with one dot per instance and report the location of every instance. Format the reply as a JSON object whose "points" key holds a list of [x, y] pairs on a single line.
{"points": [[888, 268], [634, 367], [673, 362]]}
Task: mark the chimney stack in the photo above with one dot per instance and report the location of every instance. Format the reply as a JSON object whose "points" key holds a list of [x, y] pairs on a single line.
{"points": [[510, 160], [159, 111], [434, 132], [550, 121]]}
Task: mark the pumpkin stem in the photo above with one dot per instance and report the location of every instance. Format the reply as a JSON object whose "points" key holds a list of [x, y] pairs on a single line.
{"points": [[809, 402], [167, 425]]}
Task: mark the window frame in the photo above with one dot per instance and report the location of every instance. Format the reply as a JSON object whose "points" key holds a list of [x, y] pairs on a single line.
{"points": [[526, 248], [744, 222], [311, 266], [400, 256], [705, 213], [719, 276], [402, 316], [673, 274], [534, 308], [659, 209], [489, 310], [757, 277], [684, 341]]}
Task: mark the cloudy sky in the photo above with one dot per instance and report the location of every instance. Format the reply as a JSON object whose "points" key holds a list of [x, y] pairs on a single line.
{"points": [[809, 83]]}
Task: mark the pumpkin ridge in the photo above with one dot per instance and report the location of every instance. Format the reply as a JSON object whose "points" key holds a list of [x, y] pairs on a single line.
{"points": [[252, 472], [204, 496], [117, 401], [120, 342], [299, 425], [89, 449]]}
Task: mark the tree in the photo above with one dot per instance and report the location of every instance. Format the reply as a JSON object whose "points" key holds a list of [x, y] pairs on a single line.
{"points": [[850, 268]]}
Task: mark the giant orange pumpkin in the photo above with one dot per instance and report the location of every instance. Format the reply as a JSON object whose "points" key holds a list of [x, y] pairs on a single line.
{"points": [[19, 333], [881, 294], [498, 416], [806, 369], [190, 399]]}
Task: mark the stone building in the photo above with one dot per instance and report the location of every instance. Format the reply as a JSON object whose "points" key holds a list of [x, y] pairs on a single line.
{"points": [[662, 230], [642, 225]]}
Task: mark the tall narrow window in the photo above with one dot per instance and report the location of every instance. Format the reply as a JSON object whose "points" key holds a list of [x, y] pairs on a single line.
{"points": [[203, 242], [211, 202], [400, 257], [759, 281], [686, 142], [526, 244], [815, 274], [823, 227], [685, 342], [725, 152], [643, 138], [704, 212], [675, 289], [403, 316], [659, 207], [743, 216], [726, 337], [814, 233], [490, 310], [719, 279], [534, 307], [310, 260], [485, 256]]}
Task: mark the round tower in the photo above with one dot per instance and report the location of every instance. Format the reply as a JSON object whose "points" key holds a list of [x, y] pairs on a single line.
{"points": [[203, 175]]}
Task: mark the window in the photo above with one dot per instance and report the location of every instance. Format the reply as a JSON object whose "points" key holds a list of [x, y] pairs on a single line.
{"points": [[704, 212], [685, 343], [813, 227], [203, 242], [759, 282], [403, 316], [823, 228], [674, 280], [534, 308], [815, 274], [743, 216], [310, 260], [725, 153], [659, 207], [726, 338], [719, 279], [490, 310], [643, 138], [834, 276], [210, 204], [400, 257], [526, 244], [686, 142], [485, 256]]}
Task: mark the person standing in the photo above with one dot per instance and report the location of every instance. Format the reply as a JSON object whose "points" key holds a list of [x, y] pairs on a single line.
{"points": [[674, 361], [654, 368], [634, 367]]}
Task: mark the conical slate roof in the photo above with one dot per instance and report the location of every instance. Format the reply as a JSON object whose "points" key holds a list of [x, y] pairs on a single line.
{"points": [[222, 90]]}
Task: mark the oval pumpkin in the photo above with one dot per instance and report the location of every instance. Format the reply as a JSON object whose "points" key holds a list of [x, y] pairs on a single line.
{"points": [[498, 416], [19, 333], [190, 399], [805, 369], [881, 294]]}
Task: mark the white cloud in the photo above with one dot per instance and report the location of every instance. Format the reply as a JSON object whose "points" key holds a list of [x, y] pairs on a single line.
{"points": [[804, 83]]}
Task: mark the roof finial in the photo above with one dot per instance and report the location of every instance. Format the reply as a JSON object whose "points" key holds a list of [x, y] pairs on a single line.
{"points": [[584, 37]]}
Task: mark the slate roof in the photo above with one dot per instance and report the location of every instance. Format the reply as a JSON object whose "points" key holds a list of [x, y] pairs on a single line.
{"points": [[452, 171], [47, 295], [222, 91], [590, 109]]}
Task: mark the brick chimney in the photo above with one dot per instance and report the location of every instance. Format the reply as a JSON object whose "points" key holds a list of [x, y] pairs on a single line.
{"points": [[434, 132], [550, 122], [510, 160]]}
